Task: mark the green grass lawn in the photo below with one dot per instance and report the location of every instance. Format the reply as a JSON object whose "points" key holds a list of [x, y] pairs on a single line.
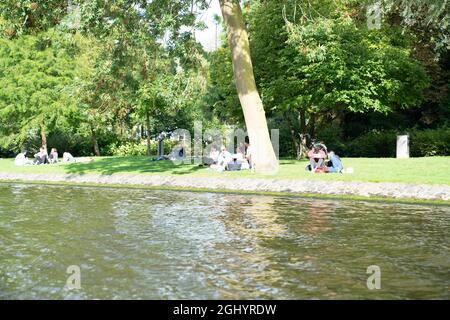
{"points": [[435, 170]]}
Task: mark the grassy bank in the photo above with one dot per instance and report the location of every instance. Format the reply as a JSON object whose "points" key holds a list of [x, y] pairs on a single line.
{"points": [[430, 170]]}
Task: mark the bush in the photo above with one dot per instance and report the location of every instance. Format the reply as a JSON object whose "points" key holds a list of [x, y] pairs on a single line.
{"points": [[373, 144], [331, 134], [128, 149], [76, 144], [430, 143], [423, 143], [79, 142], [137, 148]]}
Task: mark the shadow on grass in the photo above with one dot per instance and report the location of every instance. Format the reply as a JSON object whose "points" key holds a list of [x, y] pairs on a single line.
{"points": [[112, 165], [289, 161]]}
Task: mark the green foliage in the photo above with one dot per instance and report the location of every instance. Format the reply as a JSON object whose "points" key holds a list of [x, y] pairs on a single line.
{"points": [[128, 149], [35, 75], [342, 65], [67, 139], [137, 148], [423, 143], [19, 17], [430, 143], [317, 61], [221, 98], [371, 145], [332, 134], [429, 19], [100, 69]]}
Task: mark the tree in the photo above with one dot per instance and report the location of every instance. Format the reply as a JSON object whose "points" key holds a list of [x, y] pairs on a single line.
{"points": [[429, 19], [255, 119], [19, 17], [135, 68], [221, 97], [273, 60], [318, 64], [36, 72]]}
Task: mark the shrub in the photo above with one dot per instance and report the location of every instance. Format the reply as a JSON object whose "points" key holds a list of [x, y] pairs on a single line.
{"points": [[331, 134], [128, 149], [373, 144], [423, 143], [430, 143], [137, 148], [76, 144]]}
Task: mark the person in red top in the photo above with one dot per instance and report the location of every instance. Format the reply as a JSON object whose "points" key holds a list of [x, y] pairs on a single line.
{"points": [[316, 158]]}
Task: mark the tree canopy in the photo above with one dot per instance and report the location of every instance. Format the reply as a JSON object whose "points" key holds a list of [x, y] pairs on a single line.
{"points": [[90, 76]]}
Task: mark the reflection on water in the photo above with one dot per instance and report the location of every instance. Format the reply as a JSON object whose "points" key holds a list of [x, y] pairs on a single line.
{"points": [[180, 245]]}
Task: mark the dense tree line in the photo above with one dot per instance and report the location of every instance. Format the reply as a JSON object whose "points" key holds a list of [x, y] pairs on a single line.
{"points": [[324, 73], [90, 76], [98, 71]]}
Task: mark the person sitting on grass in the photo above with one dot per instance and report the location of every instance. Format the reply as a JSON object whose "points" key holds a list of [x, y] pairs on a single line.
{"points": [[240, 154], [241, 149], [248, 155], [211, 158], [67, 157], [53, 156], [316, 158], [21, 159], [222, 160], [41, 157], [334, 164], [321, 145], [213, 155]]}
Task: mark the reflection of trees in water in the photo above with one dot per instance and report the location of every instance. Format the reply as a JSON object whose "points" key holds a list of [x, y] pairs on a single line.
{"points": [[51, 228], [317, 216], [253, 216], [173, 235], [197, 245], [245, 266], [268, 255]]}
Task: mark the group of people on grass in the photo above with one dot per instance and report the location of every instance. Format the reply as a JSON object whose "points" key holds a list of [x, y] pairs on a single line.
{"points": [[221, 160], [322, 161], [42, 157]]}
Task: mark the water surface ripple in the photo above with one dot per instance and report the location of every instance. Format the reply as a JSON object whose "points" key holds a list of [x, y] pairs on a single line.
{"points": [[149, 244]]}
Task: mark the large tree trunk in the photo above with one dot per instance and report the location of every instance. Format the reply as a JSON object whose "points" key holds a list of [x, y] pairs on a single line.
{"points": [[95, 141], [255, 119], [43, 136]]}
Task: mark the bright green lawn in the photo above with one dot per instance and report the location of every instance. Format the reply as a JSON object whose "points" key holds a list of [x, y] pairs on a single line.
{"points": [[434, 170]]}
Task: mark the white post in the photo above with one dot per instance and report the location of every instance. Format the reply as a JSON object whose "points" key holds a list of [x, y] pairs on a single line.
{"points": [[403, 146]]}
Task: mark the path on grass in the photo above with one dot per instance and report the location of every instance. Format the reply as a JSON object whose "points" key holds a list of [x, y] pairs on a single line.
{"points": [[340, 188]]}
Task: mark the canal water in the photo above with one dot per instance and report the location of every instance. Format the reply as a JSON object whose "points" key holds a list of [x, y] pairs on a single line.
{"points": [[60, 242]]}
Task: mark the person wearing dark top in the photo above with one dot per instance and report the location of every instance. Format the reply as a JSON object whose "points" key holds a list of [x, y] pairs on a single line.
{"points": [[41, 157]]}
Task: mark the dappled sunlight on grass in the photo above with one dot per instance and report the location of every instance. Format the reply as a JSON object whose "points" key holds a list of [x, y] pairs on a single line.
{"points": [[112, 165]]}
